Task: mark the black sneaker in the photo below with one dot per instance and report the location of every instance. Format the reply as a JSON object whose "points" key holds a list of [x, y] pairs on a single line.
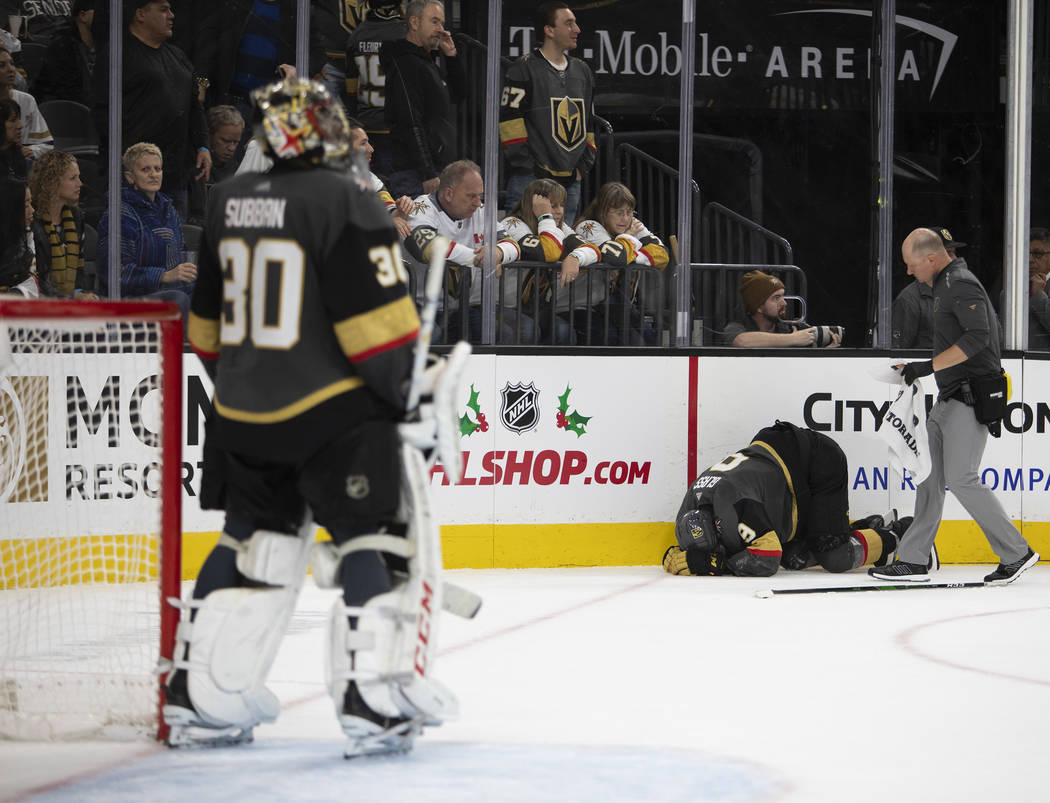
{"points": [[899, 570], [1006, 573]]}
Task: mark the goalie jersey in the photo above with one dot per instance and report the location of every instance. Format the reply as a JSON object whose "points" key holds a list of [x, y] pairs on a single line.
{"points": [[301, 311]]}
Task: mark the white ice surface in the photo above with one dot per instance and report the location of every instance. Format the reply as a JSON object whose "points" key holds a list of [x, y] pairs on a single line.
{"points": [[629, 684]]}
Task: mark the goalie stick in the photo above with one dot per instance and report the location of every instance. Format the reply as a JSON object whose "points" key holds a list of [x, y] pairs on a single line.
{"points": [[431, 292], [765, 593]]}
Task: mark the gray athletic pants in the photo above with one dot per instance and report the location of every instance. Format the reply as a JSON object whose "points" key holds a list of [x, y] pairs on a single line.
{"points": [[956, 446]]}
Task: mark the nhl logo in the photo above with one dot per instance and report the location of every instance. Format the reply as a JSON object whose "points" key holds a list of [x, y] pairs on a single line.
{"points": [[519, 408]]}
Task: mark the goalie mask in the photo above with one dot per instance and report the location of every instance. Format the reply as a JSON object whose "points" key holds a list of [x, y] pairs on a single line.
{"points": [[299, 119], [698, 529]]}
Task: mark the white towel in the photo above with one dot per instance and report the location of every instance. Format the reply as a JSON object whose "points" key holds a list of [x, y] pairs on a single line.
{"points": [[904, 430]]}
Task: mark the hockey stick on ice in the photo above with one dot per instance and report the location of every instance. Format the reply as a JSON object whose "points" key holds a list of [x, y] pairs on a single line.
{"points": [[431, 293], [765, 593]]}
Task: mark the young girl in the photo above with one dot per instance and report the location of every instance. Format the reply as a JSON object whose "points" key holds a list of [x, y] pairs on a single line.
{"points": [[608, 232], [535, 231]]}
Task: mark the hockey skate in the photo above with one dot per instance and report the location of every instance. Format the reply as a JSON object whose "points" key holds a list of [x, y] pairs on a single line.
{"points": [[372, 734], [186, 728]]}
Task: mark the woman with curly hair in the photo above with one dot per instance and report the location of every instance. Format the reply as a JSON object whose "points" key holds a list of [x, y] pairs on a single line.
{"points": [[58, 226]]}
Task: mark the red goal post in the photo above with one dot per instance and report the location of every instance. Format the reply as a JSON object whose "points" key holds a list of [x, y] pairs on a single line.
{"points": [[90, 514]]}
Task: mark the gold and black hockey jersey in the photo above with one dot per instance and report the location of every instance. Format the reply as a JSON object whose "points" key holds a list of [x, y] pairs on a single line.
{"points": [[547, 118], [301, 310]]}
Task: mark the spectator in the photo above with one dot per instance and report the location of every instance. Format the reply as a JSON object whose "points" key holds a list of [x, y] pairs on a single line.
{"points": [[225, 131], [70, 59], [534, 231], [242, 45], [455, 211], [547, 111], [16, 246], [58, 227], [365, 78], [764, 325], [36, 138], [151, 248], [401, 208], [608, 232], [12, 159], [160, 99], [1038, 302], [331, 21], [912, 315], [419, 103]]}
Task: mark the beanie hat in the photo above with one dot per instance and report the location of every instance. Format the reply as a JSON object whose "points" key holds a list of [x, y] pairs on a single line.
{"points": [[756, 287]]}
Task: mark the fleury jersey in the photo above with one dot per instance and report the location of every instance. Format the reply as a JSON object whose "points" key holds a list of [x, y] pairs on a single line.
{"points": [[301, 310], [365, 77], [429, 220], [591, 242], [547, 118]]}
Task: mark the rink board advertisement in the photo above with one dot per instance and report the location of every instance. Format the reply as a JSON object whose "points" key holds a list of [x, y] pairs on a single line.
{"points": [[569, 460]]}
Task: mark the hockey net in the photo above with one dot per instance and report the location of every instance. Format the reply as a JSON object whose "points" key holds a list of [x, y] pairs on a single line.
{"points": [[90, 495]]}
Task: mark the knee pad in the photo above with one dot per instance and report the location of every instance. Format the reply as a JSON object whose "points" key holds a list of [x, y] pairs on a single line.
{"points": [[277, 559]]}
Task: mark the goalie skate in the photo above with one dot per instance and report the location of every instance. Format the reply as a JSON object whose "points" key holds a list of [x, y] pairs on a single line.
{"points": [[372, 734], [187, 729]]}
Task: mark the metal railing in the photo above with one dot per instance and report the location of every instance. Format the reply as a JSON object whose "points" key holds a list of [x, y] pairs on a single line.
{"points": [[716, 295], [536, 310]]}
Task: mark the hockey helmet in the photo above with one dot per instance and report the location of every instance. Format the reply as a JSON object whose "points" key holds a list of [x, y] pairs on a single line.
{"points": [[697, 528], [299, 119]]}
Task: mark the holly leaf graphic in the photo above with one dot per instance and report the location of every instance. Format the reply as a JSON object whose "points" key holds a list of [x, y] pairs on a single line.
{"points": [[468, 426], [575, 422]]}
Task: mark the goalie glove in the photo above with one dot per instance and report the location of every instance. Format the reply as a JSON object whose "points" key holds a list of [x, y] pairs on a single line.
{"points": [[694, 561]]}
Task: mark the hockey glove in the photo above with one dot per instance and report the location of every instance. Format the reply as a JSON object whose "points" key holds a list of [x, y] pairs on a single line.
{"points": [[694, 561], [915, 370]]}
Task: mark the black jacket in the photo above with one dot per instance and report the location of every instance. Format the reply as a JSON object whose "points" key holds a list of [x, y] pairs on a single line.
{"points": [[66, 71], [419, 107]]}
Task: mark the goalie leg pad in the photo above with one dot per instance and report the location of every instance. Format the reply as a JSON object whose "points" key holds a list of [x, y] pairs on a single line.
{"points": [[277, 559], [233, 641]]}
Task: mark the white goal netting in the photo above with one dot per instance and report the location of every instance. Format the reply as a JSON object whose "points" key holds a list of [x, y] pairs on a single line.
{"points": [[82, 423]]}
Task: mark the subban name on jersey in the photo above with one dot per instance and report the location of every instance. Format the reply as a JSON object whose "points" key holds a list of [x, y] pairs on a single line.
{"points": [[255, 213]]}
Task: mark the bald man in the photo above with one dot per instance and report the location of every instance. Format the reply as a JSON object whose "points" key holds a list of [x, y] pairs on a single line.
{"points": [[966, 350]]}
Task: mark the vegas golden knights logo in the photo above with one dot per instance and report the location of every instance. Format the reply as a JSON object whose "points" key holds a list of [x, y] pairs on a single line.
{"points": [[23, 440], [352, 13], [568, 122]]}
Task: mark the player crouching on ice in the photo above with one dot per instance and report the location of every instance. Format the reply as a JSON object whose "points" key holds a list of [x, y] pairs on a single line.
{"points": [[780, 501], [302, 318]]}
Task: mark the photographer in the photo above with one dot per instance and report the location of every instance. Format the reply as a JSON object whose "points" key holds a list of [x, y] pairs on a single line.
{"points": [[764, 325]]}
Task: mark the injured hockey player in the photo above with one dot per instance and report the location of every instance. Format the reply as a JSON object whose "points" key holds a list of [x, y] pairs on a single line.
{"points": [[781, 501]]}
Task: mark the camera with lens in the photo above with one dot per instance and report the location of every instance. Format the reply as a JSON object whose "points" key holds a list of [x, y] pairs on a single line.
{"points": [[823, 335]]}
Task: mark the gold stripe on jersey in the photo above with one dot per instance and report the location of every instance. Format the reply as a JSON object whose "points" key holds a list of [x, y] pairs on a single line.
{"points": [[791, 487], [292, 410], [379, 329], [203, 334], [513, 131]]}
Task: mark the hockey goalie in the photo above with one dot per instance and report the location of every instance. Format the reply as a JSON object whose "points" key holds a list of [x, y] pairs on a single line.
{"points": [[324, 413]]}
